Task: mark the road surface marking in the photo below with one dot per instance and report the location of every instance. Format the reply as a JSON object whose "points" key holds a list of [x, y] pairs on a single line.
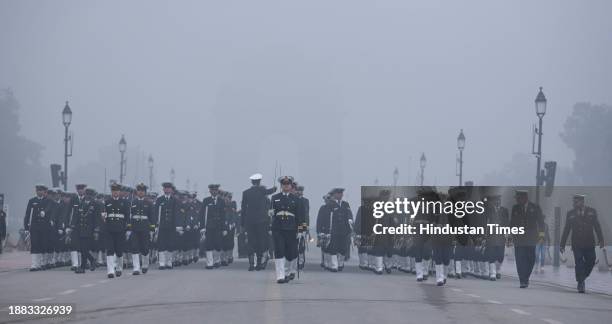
{"points": [[103, 281], [87, 285], [494, 301], [457, 289], [67, 292], [551, 321], [473, 295], [42, 299], [520, 311]]}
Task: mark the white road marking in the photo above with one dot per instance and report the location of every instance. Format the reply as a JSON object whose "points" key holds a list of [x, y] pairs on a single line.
{"points": [[87, 285], [67, 292], [457, 289], [520, 311], [494, 302], [551, 321], [473, 295], [103, 281], [42, 299]]}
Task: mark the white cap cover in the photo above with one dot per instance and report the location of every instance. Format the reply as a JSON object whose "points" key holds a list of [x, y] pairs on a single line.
{"points": [[256, 176]]}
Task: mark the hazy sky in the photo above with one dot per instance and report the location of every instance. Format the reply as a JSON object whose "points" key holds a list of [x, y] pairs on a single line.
{"points": [[404, 76]]}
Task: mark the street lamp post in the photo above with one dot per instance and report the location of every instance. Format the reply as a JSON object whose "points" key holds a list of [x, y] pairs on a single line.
{"points": [[67, 120], [460, 146], [395, 178], [122, 149], [423, 162], [150, 162], [540, 107]]}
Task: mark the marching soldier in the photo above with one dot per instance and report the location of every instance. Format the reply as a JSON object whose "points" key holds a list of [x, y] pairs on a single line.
{"points": [[495, 245], [288, 221], [168, 224], [192, 228], [99, 242], [254, 219], [335, 221], [359, 241], [423, 249], [441, 243], [381, 243], [116, 212], [528, 215], [231, 214], [141, 224], [180, 249], [37, 223], [214, 225], [60, 216], [581, 222], [299, 191], [74, 240], [85, 226]]}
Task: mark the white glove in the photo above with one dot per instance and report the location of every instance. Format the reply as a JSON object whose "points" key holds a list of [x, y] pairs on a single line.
{"points": [[26, 232], [195, 227], [187, 227], [350, 222], [179, 230], [270, 212], [68, 230], [224, 233], [269, 232], [203, 231], [104, 214], [42, 213], [128, 234], [60, 232]]}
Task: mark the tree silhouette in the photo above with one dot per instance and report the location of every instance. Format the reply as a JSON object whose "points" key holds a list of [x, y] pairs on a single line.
{"points": [[588, 132], [20, 165]]}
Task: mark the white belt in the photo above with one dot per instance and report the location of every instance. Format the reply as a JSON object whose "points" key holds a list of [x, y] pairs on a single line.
{"points": [[116, 216], [285, 213], [139, 217]]}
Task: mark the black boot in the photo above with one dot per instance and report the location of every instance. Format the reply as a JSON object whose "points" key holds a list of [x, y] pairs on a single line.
{"points": [[581, 288], [252, 263], [259, 265]]}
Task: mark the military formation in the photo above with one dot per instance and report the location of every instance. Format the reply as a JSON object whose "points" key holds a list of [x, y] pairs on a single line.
{"points": [[133, 228], [459, 256]]}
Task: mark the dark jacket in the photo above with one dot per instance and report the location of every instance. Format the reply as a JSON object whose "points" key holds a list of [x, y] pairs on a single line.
{"points": [[138, 209], [38, 214], [288, 212], [337, 215], [86, 220], [117, 214], [166, 213], [582, 224], [254, 205], [213, 213], [530, 217]]}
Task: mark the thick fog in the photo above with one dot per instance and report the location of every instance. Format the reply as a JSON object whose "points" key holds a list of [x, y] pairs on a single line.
{"points": [[338, 92]]}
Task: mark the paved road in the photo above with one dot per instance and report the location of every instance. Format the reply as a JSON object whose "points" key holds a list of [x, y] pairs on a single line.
{"points": [[233, 295]]}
